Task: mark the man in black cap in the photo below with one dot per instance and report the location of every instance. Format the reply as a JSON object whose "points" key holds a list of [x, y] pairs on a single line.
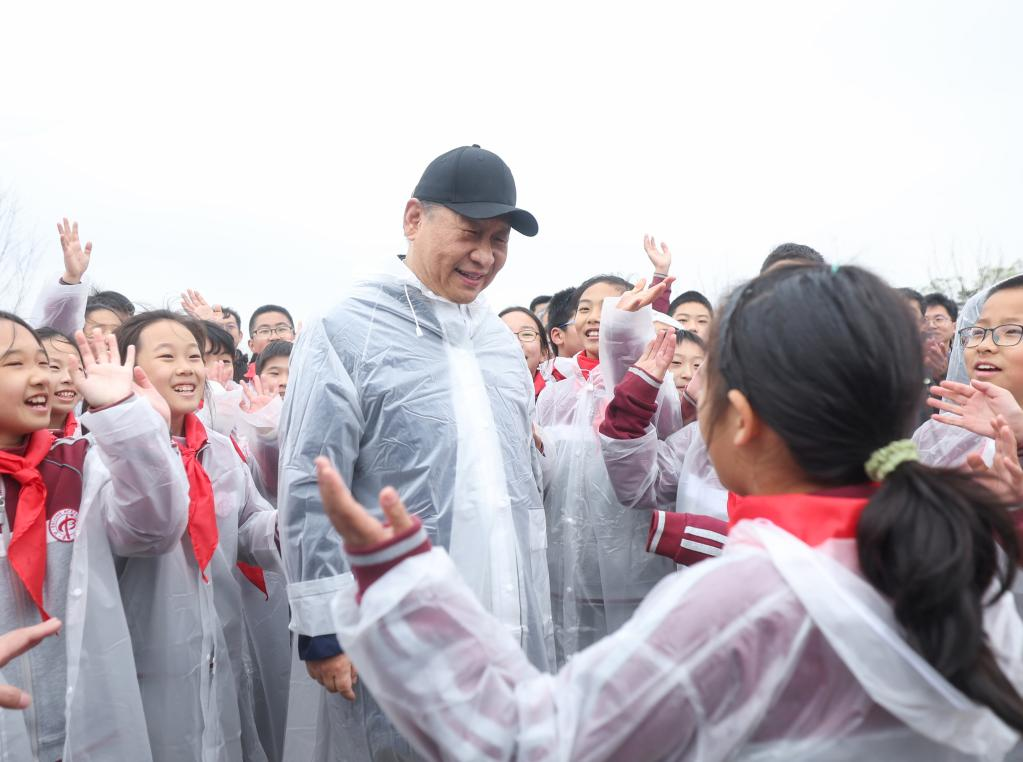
{"points": [[411, 381]]}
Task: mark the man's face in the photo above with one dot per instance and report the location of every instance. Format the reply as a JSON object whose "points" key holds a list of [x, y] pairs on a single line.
{"points": [[940, 323], [454, 256], [269, 327]]}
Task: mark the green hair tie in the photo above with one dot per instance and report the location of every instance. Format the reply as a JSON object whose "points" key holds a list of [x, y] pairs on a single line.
{"points": [[884, 461]]}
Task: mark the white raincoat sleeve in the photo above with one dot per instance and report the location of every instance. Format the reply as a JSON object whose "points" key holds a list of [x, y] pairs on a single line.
{"points": [[679, 681], [645, 472], [146, 502], [60, 307], [321, 416], [259, 430], [257, 530]]}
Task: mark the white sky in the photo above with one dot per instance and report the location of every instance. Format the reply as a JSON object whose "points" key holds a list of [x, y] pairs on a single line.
{"points": [[261, 152]]}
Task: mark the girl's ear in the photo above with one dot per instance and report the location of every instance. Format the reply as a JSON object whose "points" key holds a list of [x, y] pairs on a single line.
{"points": [[747, 422]]}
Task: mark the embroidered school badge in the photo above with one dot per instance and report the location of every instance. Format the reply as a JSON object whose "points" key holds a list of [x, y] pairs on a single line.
{"points": [[64, 525]]}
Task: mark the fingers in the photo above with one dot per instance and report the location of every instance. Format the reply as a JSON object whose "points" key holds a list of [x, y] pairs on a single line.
{"points": [[257, 384], [349, 518], [88, 356], [948, 394], [16, 642], [140, 375], [949, 420], [13, 698], [394, 509], [113, 352], [345, 684], [977, 464], [944, 406]]}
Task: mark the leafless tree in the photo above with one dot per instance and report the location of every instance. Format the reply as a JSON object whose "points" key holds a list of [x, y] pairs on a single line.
{"points": [[18, 253]]}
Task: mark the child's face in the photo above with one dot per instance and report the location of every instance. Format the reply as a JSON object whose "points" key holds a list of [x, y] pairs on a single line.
{"points": [[694, 317], [1002, 366], [170, 356], [232, 327], [107, 321], [25, 385], [688, 358], [219, 366], [587, 315], [529, 338], [63, 360], [275, 376], [269, 327]]}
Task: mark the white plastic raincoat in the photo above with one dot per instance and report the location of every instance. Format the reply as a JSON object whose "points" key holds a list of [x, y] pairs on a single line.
{"points": [[398, 386], [134, 502], [774, 651], [188, 635], [60, 307]]}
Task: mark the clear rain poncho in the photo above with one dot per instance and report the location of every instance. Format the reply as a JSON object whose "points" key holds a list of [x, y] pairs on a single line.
{"points": [[397, 386], [599, 567], [775, 651]]}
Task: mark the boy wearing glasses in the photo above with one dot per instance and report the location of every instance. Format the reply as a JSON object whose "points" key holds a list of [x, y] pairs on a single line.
{"points": [[271, 322]]}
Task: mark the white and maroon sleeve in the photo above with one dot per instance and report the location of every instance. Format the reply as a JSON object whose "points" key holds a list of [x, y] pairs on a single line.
{"points": [[372, 562], [686, 538]]}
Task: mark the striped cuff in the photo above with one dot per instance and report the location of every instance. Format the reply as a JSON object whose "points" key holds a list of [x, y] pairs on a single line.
{"points": [[686, 538], [371, 563]]}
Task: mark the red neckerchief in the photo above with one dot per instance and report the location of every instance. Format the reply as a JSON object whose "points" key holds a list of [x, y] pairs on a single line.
{"points": [[586, 364], [813, 518], [250, 372], [252, 573], [70, 425], [27, 553], [202, 517], [538, 383]]}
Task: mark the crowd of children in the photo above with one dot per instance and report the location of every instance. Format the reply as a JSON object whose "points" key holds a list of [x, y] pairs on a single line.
{"points": [[754, 543]]}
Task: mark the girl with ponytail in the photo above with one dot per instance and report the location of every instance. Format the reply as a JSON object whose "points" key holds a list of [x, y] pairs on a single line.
{"points": [[857, 612]]}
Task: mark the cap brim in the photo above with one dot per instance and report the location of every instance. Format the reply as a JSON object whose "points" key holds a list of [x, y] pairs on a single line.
{"points": [[519, 219]]}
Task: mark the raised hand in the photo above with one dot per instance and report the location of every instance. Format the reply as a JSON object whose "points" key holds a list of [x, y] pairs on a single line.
{"points": [[196, 305], [658, 355], [640, 296], [76, 259], [659, 258], [1005, 476], [104, 380], [353, 522], [974, 407], [15, 643], [256, 398], [143, 387], [935, 359]]}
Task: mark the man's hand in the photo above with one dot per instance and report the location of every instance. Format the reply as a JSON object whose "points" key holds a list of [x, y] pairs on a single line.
{"points": [[76, 259], [15, 643], [975, 406], [641, 296], [337, 674], [659, 258]]}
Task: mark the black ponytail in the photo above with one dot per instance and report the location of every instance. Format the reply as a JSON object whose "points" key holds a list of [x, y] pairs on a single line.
{"points": [[831, 360]]}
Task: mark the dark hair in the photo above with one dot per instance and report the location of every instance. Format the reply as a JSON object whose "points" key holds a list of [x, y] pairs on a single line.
{"points": [[131, 329], [110, 300], [611, 280], [542, 299], [233, 313], [11, 317], [928, 539], [690, 296], [265, 309], [559, 314], [274, 349], [940, 300], [220, 341], [682, 334], [914, 296], [545, 343], [1014, 282], [51, 334], [794, 253]]}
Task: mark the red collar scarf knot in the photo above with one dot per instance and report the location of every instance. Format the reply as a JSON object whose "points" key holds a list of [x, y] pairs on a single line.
{"points": [[202, 518], [70, 426], [27, 553], [586, 364], [813, 518]]}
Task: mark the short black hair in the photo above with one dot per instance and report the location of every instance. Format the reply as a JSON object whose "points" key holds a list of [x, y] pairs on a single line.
{"points": [[914, 296], [220, 341], [265, 309], [940, 300], [691, 296], [1014, 282], [681, 334], [611, 280], [559, 309], [545, 342], [542, 299], [114, 301], [792, 252], [233, 313], [50, 334], [278, 348]]}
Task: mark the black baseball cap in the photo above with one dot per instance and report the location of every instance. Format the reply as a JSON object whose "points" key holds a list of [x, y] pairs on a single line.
{"points": [[476, 184]]}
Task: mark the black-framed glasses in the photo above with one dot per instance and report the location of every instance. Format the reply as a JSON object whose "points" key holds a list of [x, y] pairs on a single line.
{"points": [[527, 335], [1007, 335], [283, 331]]}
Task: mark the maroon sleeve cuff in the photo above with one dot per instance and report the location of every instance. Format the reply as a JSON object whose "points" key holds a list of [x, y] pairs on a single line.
{"points": [[662, 303], [632, 407], [686, 538], [374, 561]]}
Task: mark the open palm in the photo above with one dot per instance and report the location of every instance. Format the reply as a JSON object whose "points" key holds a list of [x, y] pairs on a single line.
{"points": [[975, 406]]}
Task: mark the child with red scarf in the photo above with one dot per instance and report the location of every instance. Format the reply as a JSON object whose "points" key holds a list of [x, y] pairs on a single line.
{"points": [[69, 507], [858, 611], [190, 651]]}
